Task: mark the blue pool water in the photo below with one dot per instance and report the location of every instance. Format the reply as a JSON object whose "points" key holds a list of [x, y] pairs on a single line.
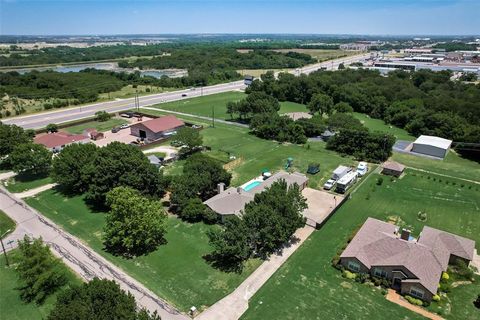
{"points": [[251, 185]]}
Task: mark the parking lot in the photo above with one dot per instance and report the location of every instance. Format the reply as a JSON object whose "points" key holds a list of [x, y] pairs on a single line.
{"points": [[120, 136]]}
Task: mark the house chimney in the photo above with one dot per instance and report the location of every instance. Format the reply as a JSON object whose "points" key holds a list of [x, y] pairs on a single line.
{"points": [[220, 187], [239, 190], [405, 234]]}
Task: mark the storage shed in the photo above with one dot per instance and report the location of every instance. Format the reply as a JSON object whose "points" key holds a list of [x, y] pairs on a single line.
{"points": [[431, 146]]}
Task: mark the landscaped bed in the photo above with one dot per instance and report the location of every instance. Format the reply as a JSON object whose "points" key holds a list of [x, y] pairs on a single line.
{"points": [[176, 271], [307, 286]]}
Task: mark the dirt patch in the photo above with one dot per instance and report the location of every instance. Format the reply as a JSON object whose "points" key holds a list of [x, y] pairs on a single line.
{"points": [[460, 283], [233, 164]]}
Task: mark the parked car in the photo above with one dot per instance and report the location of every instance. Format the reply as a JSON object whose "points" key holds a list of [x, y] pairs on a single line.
{"points": [[329, 184], [115, 129], [124, 126], [362, 168], [126, 114], [184, 94]]}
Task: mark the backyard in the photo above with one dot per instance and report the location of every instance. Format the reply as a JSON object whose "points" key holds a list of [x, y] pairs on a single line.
{"points": [[11, 306], [308, 276], [176, 271]]}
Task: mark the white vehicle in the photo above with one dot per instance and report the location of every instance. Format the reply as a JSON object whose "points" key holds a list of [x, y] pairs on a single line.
{"points": [[124, 126], [329, 184], [362, 168], [346, 182]]}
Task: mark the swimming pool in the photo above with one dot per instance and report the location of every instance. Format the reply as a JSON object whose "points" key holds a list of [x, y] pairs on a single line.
{"points": [[251, 185]]}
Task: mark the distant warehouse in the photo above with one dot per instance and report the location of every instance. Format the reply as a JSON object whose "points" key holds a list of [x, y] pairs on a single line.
{"points": [[431, 146]]}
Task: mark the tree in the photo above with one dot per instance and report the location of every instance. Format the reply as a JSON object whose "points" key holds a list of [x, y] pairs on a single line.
{"points": [[99, 299], [230, 245], [52, 127], [476, 303], [30, 158], [102, 116], [321, 103], [194, 210], [12, 136], [72, 167], [339, 121], [135, 225], [190, 138], [40, 273], [119, 164], [343, 107]]}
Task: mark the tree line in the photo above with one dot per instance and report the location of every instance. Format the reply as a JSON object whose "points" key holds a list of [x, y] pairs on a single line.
{"points": [[422, 102]]}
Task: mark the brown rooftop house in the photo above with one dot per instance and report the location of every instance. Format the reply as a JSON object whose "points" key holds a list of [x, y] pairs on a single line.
{"points": [[56, 141], [233, 200], [414, 267], [156, 128], [393, 168]]}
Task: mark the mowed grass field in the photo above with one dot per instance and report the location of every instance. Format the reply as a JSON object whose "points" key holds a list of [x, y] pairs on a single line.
{"points": [[308, 287], [99, 126], [23, 182], [11, 306], [176, 271], [217, 103], [380, 125], [6, 224]]}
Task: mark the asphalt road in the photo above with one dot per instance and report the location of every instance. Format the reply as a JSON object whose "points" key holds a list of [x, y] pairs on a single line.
{"points": [[41, 120]]}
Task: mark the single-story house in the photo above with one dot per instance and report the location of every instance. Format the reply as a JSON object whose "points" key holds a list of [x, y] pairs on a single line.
{"points": [[158, 128], [393, 168], [156, 161], [431, 146], [233, 200], [56, 141], [414, 267]]}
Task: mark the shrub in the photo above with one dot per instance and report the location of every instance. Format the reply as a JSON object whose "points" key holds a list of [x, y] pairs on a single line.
{"points": [[379, 181], [426, 303], [445, 287], [384, 292], [414, 301], [445, 276], [52, 127], [349, 275], [436, 298], [102, 116]]}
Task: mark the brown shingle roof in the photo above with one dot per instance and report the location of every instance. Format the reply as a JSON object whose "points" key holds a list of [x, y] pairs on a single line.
{"points": [[377, 244], [162, 124], [394, 166], [57, 139]]}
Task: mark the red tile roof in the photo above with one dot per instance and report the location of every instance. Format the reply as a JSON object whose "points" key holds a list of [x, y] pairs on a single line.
{"points": [[57, 139], [162, 124]]}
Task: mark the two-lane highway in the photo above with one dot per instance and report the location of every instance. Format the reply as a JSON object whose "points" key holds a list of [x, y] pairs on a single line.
{"points": [[41, 120]]}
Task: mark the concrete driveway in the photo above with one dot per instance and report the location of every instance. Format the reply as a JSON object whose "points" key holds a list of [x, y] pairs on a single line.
{"points": [[320, 204]]}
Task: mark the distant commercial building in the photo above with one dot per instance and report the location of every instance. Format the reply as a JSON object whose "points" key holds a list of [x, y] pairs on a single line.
{"points": [[156, 128], [431, 146], [358, 46]]}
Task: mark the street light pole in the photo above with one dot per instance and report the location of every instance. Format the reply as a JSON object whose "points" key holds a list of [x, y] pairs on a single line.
{"points": [[3, 247]]}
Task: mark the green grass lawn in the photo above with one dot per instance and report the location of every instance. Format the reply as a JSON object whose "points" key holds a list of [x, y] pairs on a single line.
{"points": [[6, 224], [452, 165], [129, 92], [24, 182], [380, 125], [307, 287], [176, 271], [11, 306], [203, 106], [99, 126]]}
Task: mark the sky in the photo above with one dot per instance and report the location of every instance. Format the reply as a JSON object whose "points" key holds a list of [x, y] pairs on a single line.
{"points": [[377, 17]]}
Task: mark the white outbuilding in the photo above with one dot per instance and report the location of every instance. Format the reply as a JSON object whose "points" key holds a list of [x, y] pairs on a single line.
{"points": [[431, 146]]}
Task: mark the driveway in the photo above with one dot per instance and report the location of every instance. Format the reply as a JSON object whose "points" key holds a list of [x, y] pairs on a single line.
{"points": [[320, 204], [79, 257]]}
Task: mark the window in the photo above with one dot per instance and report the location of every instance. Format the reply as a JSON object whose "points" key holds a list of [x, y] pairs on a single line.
{"points": [[352, 265], [416, 292], [378, 272]]}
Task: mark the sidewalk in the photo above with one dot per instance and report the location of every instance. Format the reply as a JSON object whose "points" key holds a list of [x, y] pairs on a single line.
{"points": [[79, 257], [235, 304], [394, 297]]}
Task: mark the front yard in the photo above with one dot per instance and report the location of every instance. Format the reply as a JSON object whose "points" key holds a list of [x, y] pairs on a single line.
{"points": [[308, 287], [24, 182], [176, 271]]}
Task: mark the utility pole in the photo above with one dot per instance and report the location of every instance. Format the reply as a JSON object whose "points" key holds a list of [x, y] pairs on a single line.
{"points": [[3, 247]]}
